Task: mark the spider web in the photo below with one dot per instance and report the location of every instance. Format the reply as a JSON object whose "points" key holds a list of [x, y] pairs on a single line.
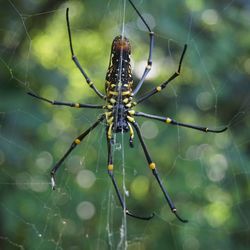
{"points": [[206, 175]]}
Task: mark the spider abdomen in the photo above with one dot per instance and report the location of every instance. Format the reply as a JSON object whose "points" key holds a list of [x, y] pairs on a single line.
{"points": [[119, 77]]}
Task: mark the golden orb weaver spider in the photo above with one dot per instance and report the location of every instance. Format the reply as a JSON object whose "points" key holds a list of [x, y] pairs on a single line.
{"points": [[119, 113]]}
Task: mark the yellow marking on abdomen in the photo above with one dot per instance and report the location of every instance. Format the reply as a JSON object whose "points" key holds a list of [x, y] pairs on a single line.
{"points": [[113, 93], [126, 92]]}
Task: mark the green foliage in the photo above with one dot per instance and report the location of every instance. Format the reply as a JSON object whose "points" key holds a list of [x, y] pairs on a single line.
{"points": [[207, 175]]}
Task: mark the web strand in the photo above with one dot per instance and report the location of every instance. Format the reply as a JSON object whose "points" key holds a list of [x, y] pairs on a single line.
{"points": [[123, 230]]}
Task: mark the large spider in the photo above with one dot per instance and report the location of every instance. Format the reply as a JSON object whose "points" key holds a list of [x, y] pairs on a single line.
{"points": [[119, 113]]}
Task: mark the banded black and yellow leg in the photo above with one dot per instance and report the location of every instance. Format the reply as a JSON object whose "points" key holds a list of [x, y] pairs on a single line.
{"points": [[109, 131], [77, 63], [70, 104], [152, 166], [131, 137], [76, 142], [173, 122], [119, 195], [151, 45], [163, 85]]}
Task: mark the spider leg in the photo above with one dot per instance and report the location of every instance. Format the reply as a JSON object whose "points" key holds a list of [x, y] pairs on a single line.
{"points": [[152, 166], [77, 63], [173, 122], [111, 174], [151, 45], [70, 104], [76, 142], [163, 85]]}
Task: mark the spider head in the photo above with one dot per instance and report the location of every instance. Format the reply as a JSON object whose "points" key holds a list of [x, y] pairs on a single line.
{"points": [[121, 44]]}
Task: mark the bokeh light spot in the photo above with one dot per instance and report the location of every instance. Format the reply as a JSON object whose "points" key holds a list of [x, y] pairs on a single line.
{"points": [[210, 17], [140, 187], [85, 210], [217, 213], [192, 152], [38, 184], [217, 167], [149, 129], [215, 194], [204, 101], [44, 161], [70, 227], [85, 178]]}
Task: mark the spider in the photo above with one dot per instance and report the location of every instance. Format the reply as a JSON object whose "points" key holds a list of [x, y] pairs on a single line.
{"points": [[119, 115]]}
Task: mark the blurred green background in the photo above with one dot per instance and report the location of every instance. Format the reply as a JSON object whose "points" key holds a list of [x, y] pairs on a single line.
{"points": [[207, 175]]}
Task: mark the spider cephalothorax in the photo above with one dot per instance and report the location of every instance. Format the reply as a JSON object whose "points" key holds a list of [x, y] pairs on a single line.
{"points": [[119, 115]]}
